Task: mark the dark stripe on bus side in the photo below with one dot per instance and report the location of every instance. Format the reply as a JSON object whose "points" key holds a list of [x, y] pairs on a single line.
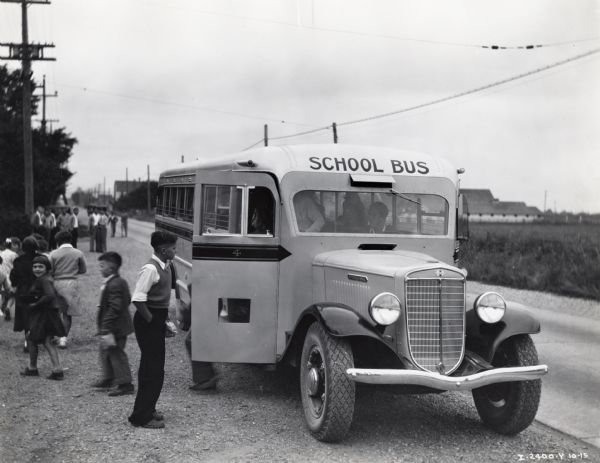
{"points": [[181, 232], [239, 253]]}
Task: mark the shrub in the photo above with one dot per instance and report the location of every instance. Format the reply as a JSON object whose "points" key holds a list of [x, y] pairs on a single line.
{"points": [[564, 259]]}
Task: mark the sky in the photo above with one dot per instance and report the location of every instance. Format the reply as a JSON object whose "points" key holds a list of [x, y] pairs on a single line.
{"points": [[144, 82]]}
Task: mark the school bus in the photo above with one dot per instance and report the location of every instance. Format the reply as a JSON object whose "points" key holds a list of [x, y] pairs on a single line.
{"points": [[341, 260]]}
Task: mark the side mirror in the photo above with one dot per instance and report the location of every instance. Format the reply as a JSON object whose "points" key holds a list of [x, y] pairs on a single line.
{"points": [[462, 219]]}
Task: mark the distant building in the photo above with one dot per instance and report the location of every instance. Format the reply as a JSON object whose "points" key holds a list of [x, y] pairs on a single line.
{"points": [[483, 207], [123, 187], [104, 199]]}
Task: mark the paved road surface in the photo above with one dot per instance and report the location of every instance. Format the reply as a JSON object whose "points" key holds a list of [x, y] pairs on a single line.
{"points": [[140, 231], [568, 344]]}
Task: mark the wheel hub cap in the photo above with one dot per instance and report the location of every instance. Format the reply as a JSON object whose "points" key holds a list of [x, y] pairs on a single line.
{"points": [[314, 382]]}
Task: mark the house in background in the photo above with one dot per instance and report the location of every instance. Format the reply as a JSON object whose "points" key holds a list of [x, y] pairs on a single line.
{"points": [[483, 207]]}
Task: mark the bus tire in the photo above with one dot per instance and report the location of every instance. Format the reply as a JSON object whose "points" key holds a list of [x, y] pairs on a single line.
{"points": [[328, 394], [508, 408]]}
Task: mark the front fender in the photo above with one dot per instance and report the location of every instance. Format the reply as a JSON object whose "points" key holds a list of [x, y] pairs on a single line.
{"points": [[484, 339], [338, 320], [341, 321]]}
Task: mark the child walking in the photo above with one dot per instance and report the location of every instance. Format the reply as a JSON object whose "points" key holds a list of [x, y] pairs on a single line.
{"points": [[4, 291], [44, 320], [21, 279], [114, 325], [12, 248]]}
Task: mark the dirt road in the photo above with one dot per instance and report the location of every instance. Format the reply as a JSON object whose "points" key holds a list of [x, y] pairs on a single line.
{"points": [[254, 416]]}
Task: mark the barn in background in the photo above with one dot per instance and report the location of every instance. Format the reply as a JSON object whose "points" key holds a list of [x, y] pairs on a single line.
{"points": [[483, 207]]}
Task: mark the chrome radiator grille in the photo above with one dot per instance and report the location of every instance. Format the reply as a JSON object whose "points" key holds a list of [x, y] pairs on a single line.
{"points": [[435, 315]]}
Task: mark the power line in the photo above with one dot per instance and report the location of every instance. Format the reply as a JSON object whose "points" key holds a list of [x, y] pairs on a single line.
{"points": [[254, 144], [379, 35], [299, 134], [478, 89], [447, 98], [183, 105], [452, 44]]}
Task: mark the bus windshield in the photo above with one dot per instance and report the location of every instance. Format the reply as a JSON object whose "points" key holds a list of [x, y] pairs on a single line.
{"points": [[354, 212]]}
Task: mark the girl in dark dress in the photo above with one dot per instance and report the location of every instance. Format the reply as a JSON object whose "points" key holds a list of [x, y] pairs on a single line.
{"points": [[21, 278], [44, 319]]}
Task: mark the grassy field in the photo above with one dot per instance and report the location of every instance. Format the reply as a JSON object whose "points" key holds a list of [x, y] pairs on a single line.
{"points": [[563, 259]]}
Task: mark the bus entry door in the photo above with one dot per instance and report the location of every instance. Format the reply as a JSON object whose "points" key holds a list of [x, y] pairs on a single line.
{"points": [[236, 259]]}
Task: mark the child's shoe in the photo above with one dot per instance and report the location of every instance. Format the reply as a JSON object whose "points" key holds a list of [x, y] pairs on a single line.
{"points": [[29, 372], [102, 383], [122, 389], [62, 342], [154, 424], [207, 385], [56, 375]]}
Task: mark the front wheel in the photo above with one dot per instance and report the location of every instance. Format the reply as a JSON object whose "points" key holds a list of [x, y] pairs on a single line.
{"points": [[508, 408], [327, 393]]}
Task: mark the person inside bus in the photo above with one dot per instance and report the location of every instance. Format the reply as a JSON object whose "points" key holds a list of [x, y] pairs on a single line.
{"points": [[354, 216], [377, 215], [260, 212], [308, 212]]}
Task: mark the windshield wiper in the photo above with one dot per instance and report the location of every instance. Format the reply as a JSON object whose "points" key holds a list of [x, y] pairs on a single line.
{"points": [[403, 196]]}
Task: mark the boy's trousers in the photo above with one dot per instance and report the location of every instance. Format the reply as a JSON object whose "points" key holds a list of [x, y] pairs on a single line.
{"points": [[151, 374], [114, 362]]}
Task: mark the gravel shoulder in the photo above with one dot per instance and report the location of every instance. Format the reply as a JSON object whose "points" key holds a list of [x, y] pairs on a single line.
{"points": [[255, 415]]}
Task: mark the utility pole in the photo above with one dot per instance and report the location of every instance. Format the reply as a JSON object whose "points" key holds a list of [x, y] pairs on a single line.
{"points": [[335, 137], [266, 135], [44, 96], [148, 189], [26, 52]]}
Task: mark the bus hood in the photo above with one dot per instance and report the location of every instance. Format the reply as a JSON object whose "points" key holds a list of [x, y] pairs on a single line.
{"points": [[385, 263]]}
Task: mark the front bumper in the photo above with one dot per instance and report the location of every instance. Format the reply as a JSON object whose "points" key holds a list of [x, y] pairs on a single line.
{"points": [[446, 383]]}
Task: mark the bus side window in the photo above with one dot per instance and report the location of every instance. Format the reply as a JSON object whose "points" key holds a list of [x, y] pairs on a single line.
{"points": [[159, 200], [221, 210], [261, 211]]}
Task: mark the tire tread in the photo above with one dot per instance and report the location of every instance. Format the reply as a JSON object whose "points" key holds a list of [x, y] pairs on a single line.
{"points": [[340, 389], [526, 393]]}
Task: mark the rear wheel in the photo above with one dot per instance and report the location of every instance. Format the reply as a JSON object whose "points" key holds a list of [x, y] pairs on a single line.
{"points": [[508, 408], [327, 393]]}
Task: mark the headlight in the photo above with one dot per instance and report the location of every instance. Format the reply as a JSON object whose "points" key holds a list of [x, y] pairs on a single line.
{"points": [[385, 308], [490, 307]]}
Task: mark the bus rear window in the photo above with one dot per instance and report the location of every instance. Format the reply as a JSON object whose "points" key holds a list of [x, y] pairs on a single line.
{"points": [[370, 212]]}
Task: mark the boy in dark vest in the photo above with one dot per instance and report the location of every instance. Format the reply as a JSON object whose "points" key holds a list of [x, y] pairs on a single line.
{"points": [[151, 299]]}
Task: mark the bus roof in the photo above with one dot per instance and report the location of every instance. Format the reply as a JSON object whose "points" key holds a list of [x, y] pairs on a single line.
{"points": [[324, 158]]}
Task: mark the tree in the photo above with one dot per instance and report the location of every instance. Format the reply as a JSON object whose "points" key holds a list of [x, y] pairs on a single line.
{"points": [[51, 151], [138, 198]]}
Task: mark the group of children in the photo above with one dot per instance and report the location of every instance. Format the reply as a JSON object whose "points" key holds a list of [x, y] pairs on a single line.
{"points": [[40, 311], [28, 286]]}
